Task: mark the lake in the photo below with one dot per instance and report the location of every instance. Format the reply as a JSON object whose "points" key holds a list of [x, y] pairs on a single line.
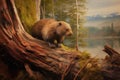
{"points": [[95, 46]]}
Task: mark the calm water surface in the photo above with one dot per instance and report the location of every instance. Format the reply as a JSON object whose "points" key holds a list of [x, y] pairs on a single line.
{"points": [[95, 46]]}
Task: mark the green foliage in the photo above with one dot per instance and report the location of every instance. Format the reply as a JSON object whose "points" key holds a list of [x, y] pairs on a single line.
{"points": [[27, 12], [67, 48], [85, 55]]}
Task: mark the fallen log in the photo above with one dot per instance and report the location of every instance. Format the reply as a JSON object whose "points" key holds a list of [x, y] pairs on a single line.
{"points": [[19, 50], [111, 68]]}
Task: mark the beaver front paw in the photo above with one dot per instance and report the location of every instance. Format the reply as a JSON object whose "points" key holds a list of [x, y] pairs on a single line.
{"points": [[52, 45]]}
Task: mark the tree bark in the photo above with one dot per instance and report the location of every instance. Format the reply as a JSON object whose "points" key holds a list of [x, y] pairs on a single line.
{"points": [[19, 49]]}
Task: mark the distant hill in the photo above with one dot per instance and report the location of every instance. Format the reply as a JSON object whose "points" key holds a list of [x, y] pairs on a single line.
{"points": [[103, 21]]}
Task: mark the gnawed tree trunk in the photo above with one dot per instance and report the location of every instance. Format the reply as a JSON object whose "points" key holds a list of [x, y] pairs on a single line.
{"points": [[111, 68], [21, 51]]}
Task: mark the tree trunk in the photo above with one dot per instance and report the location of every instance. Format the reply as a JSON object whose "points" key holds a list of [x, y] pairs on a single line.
{"points": [[19, 49], [77, 26], [53, 12], [38, 3], [43, 10]]}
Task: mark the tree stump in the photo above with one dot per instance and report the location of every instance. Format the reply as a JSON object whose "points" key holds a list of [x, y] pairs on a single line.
{"points": [[111, 68]]}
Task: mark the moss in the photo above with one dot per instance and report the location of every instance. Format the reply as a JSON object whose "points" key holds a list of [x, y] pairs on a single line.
{"points": [[92, 70], [67, 48], [27, 12]]}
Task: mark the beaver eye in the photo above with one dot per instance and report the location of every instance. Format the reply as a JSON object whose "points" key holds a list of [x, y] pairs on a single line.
{"points": [[60, 23]]}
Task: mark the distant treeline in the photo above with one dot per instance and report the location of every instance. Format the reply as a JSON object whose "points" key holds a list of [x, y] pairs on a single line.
{"points": [[104, 31]]}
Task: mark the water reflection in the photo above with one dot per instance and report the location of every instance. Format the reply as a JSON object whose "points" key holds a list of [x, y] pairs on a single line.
{"points": [[96, 45]]}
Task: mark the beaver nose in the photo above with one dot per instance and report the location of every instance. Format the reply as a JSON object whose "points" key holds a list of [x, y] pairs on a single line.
{"points": [[71, 33]]}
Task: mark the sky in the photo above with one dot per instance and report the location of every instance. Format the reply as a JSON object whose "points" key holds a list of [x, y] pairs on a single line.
{"points": [[102, 7]]}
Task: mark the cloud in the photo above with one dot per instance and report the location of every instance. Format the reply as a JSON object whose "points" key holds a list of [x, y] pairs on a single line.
{"points": [[102, 7]]}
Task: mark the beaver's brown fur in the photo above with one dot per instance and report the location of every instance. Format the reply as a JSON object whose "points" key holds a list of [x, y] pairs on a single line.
{"points": [[50, 30]]}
